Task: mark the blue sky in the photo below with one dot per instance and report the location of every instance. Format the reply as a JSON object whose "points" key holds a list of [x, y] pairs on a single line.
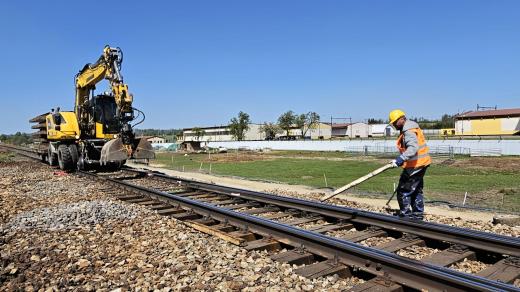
{"points": [[201, 62]]}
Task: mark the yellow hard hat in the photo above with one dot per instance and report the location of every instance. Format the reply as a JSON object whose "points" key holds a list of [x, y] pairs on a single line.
{"points": [[395, 115]]}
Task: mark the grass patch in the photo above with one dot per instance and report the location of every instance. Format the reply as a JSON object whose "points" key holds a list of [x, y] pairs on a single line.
{"points": [[485, 187]]}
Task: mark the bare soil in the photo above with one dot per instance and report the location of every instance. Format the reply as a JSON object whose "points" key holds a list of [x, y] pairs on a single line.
{"points": [[489, 163]]}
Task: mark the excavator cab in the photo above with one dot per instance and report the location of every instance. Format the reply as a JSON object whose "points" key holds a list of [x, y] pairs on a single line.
{"points": [[109, 124], [105, 113]]}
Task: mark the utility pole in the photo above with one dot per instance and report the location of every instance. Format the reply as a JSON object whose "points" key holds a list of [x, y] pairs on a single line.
{"points": [[350, 127]]}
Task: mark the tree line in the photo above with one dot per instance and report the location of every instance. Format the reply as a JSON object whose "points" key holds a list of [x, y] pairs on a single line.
{"points": [[16, 139], [239, 125]]}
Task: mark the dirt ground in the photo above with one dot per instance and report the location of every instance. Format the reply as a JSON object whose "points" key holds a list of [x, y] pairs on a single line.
{"points": [[489, 163], [278, 187]]}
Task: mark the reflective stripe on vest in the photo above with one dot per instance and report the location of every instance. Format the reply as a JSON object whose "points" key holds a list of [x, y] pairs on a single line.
{"points": [[421, 158]]}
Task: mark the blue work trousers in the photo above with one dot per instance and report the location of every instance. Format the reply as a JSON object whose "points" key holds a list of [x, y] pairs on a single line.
{"points": [[410, 193]]}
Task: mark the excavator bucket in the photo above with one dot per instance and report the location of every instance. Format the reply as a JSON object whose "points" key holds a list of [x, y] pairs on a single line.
{"points": [[143, 150], [113, 150]]}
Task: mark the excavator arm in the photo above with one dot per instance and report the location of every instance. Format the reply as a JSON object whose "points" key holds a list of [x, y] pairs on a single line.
{"points": [[107, 67], [122, 145]]}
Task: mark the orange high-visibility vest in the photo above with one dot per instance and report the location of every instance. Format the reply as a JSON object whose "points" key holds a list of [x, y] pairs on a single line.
{"points": [[422, 158]]}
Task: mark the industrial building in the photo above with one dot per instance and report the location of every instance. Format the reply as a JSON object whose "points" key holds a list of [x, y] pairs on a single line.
{"points": [[218, 133], [319, 131], [222, 133], [362, 130], [155, 139], [488, 122], [381, 130]]}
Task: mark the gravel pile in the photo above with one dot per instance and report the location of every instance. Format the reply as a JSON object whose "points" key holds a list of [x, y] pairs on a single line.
{"points": [[469, 266], [74, 215], [477, 225], [156, 184], [312, 224], [373, 241], [341, 233], [417, 252], [25, 186]]}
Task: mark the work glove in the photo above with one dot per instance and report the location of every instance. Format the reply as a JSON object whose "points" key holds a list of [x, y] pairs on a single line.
{"points": [[397, 162]]}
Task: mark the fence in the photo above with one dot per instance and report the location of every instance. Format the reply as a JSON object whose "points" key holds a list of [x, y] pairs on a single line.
{"points": [[476, 147], [383, 150]]}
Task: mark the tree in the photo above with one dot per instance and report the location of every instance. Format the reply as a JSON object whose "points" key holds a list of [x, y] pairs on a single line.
{"points": [[286, 121], [447, 121], [198, 133], [372, 121], [306, 121], [270, 130], [239, 125]]}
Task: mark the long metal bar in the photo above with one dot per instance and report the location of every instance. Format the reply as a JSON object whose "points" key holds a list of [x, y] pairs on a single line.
{"points": [[476, 239], [407, 272]]}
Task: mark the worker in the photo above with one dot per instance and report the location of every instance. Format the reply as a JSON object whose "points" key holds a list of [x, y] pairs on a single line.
{"points": [[414, 159]]}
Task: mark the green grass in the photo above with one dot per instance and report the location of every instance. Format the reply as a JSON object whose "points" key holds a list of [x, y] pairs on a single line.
{"points": [[442, 182]]}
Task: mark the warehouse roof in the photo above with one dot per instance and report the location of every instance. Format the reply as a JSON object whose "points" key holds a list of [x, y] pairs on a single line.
{"points": [[340, 125], [512, 112]]}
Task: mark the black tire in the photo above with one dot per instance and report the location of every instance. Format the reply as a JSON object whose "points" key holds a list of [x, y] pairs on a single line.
{"points": [[52, 158], [65, 158], [73, 149]]}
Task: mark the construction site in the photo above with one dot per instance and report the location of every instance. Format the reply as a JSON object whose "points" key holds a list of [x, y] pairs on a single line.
{"points": [[94, 202]]}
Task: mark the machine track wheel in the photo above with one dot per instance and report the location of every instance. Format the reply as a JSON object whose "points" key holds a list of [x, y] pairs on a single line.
{"points": [[65, 158], [52, 158]]}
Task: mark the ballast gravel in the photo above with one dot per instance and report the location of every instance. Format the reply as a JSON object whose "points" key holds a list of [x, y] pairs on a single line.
{"points": [[59, 232], [453, 221], [73, 215]]}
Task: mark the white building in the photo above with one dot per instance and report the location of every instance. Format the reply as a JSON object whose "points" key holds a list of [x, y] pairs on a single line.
{"points": [[320, 131], [381, 130], [339, 130], [358, 130], [156, 140], [219, 133]]}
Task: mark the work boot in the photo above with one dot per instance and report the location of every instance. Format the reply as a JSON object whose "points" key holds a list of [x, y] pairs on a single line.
{"points": [[418, 216]]}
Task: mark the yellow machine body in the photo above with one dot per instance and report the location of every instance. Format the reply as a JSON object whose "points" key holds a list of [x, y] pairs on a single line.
{"points": [[65, 129]]}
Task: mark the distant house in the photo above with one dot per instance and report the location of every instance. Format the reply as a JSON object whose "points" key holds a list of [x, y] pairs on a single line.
{"points": [[339, 130], [488, 122], [319, 131], [155, 139], [351, 130], [381, 130]]}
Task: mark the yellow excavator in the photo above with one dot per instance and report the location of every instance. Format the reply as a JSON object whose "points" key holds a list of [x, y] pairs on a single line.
{"points": [[99, 132]]}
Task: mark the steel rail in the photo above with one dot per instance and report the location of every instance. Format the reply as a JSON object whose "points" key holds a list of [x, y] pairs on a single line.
{"points": [[407, 272], [28, 152], [472, 238]]}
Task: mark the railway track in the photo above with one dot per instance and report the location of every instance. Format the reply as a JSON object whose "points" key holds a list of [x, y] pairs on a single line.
{"points": [[325, 238]]}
